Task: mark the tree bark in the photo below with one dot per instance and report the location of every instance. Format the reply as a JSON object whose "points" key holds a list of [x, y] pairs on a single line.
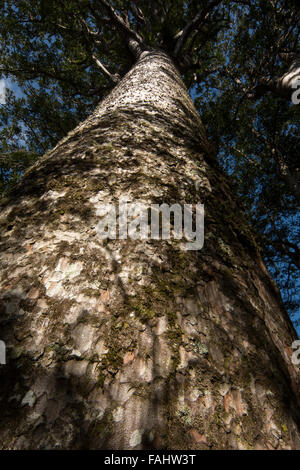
{"points": [[136, 344]]}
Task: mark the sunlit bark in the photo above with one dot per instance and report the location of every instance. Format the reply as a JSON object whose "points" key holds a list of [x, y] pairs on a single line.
{"points": [[131, 344]]}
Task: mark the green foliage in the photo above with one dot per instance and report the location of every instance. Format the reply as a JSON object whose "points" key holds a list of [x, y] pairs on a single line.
{"points": [[257, 133]]}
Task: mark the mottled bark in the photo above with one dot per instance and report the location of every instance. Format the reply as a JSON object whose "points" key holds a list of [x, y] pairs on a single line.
{"points": [[139, 344]]}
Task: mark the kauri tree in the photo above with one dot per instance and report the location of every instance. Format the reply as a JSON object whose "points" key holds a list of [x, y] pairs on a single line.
{"points": [[143, 344]]}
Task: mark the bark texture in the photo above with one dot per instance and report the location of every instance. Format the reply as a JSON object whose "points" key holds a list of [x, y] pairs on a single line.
{"points": [[139, 344]]}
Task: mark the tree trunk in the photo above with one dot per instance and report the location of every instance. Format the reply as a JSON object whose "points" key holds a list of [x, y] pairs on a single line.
{"points": [[136, 344]]}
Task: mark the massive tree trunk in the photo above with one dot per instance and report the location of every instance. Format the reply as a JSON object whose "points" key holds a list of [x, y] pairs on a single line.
{"points": [[131, 344]]}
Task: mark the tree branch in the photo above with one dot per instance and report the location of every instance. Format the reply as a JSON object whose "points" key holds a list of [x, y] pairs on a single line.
{"points": [[88, 33], [36, 72], [200, 18], [282, 86], [282, 245], [290, 177], [115, 78], [135, 42]]}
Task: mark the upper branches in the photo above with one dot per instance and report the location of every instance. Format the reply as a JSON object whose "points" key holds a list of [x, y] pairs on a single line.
{"points": [[193, 25], [134, 40]]}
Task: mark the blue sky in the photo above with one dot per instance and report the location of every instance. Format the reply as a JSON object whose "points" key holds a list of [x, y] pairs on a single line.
{"points": [[7, 83]]}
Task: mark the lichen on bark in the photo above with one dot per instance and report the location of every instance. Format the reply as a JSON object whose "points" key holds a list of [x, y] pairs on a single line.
{"points": [[125, 344]]}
